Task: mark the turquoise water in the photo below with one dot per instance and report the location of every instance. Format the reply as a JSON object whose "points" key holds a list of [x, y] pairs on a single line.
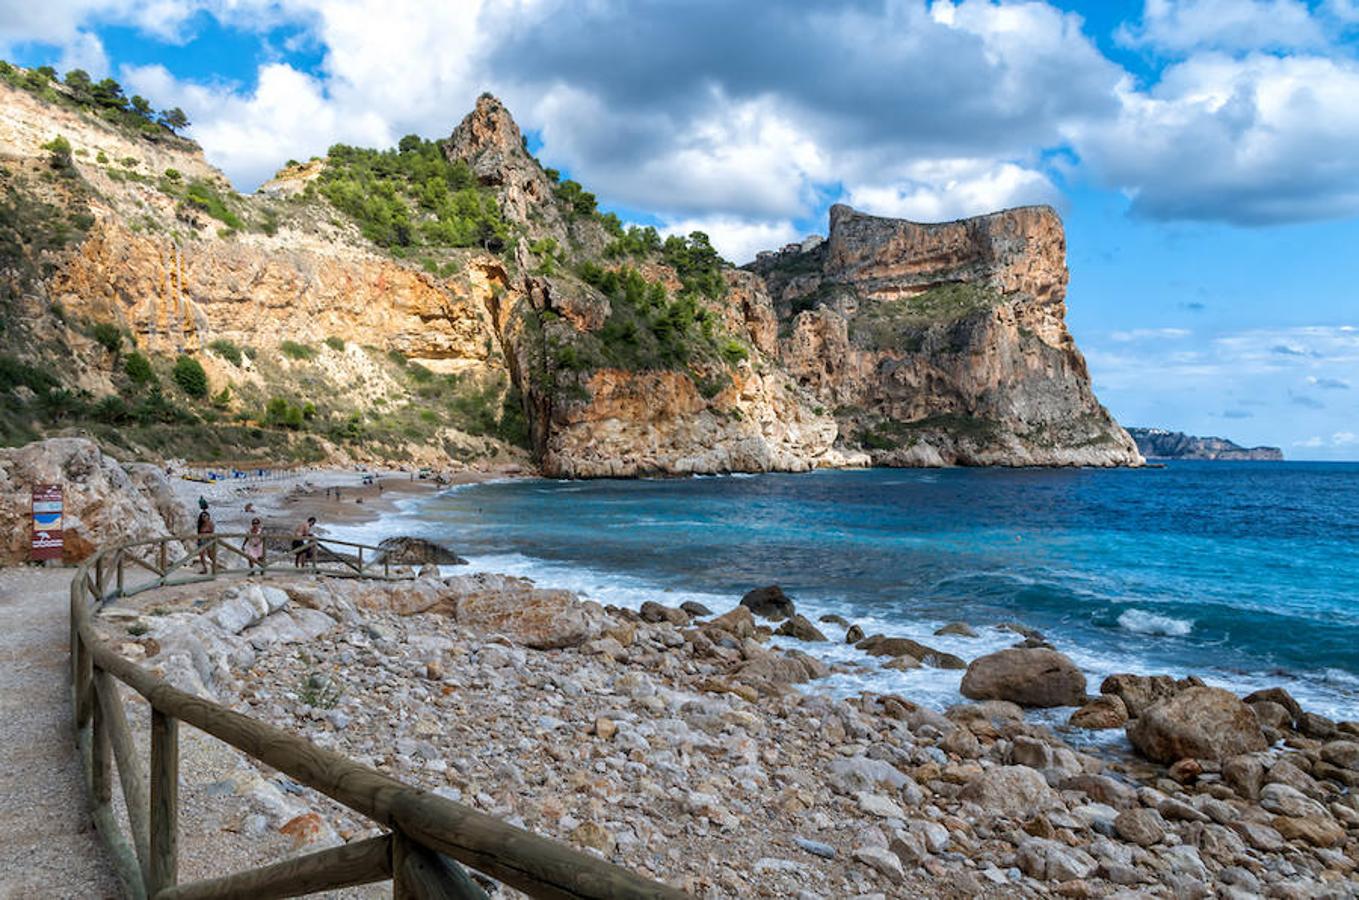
{"points": [[1245, 573]]}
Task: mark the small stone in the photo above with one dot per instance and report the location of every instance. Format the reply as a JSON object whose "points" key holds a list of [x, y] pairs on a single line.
{"points": [[1104, 711], [883, 861], [605, 728], [593, 835], [1315, 830], [816, 848], [1139, 826], [1244, 774], [878, 805], [1186, 771]]}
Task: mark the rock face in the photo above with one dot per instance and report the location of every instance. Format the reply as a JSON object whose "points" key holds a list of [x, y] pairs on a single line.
{"points": [[1029, 677], [943, 344], [769, 602], [1198, 723], [1157, 443], [890, 342], [104, 502]]}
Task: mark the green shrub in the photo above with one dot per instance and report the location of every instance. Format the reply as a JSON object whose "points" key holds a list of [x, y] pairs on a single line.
{"points": [[281, 413], [205, 197], [108, 336], [227, 350], [294, 350], [189, 375], [60, 148], [222, 399], [173, 174], [138, 368], [733, 351], [112, 410], [412, 196], [336, 344]]}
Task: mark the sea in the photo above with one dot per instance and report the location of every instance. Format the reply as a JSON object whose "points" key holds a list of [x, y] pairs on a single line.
{"points": [[1245, 574]]}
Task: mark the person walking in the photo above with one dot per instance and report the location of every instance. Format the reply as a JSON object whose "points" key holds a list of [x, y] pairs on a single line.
{"points": [[304, 546], [254, 547], [206, 548]]}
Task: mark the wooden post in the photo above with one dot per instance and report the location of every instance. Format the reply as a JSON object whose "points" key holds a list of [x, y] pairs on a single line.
{"points": [[129, 773], [99, 578], [162, 557], [101, 765], [119, 563], [164, 839], [84, 682], [348, 865], [421, 874]]}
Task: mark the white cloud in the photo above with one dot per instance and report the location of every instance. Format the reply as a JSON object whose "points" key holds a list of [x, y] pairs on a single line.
{"points": [[1179, 26], [939, 190], [736, 239], [84, 51], [1142, 334], [1257, 140]]}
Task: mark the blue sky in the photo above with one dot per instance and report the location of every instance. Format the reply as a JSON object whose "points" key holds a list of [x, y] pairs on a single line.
{"points": [[1200, 151]]}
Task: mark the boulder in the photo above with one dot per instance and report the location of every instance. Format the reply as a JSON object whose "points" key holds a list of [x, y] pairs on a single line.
{"points": [[1015, 791], [102, 502], [1140, 826], [654, 613], [1318, 831], [1139, 691], [695, 609], [1244, 774], [415, 551], [738, 623], [1104, 711], [1034, 677], [961, 629], [832, 619], [1280, 696], [1199, 722], [877, 645], [769, 603], [797, 626], [854, 634], [1344, 754], [536, 618]]}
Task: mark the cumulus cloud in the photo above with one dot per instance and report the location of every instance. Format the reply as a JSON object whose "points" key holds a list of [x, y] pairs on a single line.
{"points": [[1251, 141], [927, 109], [1178, 26]]}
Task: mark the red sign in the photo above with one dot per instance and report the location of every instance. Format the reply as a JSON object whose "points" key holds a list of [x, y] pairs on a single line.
{"points": [[47, 510]]}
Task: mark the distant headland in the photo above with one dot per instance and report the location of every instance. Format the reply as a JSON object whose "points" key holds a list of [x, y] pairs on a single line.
{"points": [[1158, 443]]}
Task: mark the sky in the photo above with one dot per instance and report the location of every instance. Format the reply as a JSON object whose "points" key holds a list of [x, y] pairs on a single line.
{"points": [[1202, 153]]}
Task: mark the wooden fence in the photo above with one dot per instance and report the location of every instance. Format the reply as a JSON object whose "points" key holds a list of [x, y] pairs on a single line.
{"points": [[429, 838]]}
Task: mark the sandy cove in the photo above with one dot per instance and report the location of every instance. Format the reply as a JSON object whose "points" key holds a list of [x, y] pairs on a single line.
{"points": [[683, 746], [335, 496]]}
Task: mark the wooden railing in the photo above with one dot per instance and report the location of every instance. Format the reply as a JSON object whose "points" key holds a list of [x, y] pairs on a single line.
{"points": [[429, 839]]}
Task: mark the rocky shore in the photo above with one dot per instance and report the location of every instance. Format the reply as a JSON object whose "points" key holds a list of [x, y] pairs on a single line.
{"points": [[681, 744]]}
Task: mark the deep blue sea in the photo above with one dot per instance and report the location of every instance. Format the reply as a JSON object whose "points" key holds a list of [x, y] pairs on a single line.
{"points": [[1244, 573]]}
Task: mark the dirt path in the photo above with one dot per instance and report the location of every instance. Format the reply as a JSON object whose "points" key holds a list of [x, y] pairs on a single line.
{"points": [[48, 848]]}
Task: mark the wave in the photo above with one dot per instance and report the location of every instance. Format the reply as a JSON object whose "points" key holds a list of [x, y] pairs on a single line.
{"points": [[1141, 622]]}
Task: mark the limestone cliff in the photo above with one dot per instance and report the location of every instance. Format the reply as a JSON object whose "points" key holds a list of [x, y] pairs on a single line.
{"points": [[456, 298], [942, 344]]}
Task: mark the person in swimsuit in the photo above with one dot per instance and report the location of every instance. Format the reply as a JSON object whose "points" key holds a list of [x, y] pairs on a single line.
{"points": [[303, 547], [254, 546]]}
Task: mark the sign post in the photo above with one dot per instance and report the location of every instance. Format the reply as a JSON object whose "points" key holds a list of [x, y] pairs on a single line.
{"points": [[47, 510]]}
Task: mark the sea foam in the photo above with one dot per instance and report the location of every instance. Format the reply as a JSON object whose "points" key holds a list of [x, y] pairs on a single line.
{"points": [[1141, 622]]}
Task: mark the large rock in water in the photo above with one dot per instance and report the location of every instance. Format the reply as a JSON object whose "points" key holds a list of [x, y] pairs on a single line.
{"points": [[1198, 723], [104, 504], [1029, 677], [416, 551], [769, 603]]}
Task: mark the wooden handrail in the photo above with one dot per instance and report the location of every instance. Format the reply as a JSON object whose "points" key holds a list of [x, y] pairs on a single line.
{"points": [[428, 832]]}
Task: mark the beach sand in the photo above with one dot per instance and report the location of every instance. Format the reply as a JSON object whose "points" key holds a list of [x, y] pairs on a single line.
{"points": [[335, 496]]}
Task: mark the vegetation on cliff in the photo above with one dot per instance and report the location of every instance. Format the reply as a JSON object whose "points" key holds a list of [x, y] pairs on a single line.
{"points": [[103, 98], [412, 197]]}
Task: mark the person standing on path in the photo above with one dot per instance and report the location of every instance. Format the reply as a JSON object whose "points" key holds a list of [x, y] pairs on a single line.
{"points": [[254, 547], [206, 549], [304, 545]]}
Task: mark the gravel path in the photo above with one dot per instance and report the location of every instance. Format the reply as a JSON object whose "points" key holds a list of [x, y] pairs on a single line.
{"points": [[48, 848]]}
